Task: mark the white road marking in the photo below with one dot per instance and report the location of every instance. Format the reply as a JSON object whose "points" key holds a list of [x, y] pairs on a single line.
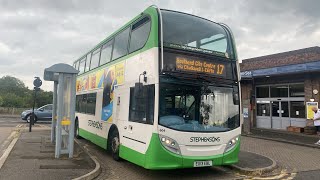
{"points": [[10, 147], [7, 141]]}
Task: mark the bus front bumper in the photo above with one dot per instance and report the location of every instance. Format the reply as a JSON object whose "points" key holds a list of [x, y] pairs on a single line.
{"points": [[157, 157]]}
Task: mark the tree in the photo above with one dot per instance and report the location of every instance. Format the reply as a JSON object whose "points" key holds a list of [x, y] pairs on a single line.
{"points": [[12, 100], [12, 85], [43, 98], [14, 93]]}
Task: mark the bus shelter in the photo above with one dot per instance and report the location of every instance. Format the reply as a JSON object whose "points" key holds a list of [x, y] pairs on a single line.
{"points": [[63, 114]]}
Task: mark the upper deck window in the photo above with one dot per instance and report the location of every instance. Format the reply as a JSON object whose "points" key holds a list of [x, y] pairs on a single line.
{"points": [[139, 34], [192, 33], [106, 52], [95, 59], [120, 47], [82, 65]]}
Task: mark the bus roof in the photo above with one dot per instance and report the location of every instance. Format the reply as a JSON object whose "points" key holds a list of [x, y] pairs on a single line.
{"points": [[149, 10]]}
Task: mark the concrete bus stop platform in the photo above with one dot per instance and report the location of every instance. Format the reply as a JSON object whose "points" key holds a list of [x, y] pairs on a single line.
{"points": [[252, 163], [32, 157]]}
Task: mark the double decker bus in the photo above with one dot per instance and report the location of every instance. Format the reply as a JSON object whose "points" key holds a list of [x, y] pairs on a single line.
{"points": [[162, 92]]}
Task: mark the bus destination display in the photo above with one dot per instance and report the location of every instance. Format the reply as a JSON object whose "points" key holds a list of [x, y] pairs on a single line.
{"points": [[201, 66]]}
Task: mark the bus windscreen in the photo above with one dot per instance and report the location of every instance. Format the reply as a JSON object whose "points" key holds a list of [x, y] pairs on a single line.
{"points": [[187, 32]]}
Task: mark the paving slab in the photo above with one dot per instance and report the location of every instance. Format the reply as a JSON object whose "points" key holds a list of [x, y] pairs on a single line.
{"points": [[292, 158], [33, 158], [285, 137]]}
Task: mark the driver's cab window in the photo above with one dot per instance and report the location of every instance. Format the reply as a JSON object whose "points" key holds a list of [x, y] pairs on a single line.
{"points": [[181, 105], [141, 108]]}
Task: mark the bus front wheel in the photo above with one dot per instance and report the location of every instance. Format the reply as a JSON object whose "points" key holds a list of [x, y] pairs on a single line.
{"points": [[115, 144]]}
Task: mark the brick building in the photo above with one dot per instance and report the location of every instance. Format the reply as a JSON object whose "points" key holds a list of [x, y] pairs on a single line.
{"points": [[275, 88]]}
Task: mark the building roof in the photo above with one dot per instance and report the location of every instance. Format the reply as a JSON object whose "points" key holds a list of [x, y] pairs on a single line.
{"points": [[299, 56]]}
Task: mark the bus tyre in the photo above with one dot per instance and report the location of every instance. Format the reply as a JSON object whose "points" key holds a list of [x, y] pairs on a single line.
{"points": [[76, 129], [115, 144]]}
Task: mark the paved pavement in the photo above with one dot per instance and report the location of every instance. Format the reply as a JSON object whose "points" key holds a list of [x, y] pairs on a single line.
{"points": [[33, 158], [285, 136], [298, 159], [7, 125]]}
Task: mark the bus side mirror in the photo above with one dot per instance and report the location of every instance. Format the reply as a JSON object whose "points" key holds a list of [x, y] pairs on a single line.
{"points": [[138, 90]]}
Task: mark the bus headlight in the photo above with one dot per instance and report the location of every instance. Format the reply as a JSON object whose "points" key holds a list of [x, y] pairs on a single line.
{"points": [[169, 144], [231, 144]]}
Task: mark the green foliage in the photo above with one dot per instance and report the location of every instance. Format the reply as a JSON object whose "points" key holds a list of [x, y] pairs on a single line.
{"points": [[43, 98], [12, 85], [14, 93]]}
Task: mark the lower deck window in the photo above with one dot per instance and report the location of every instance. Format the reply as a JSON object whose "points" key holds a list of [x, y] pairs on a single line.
{"points": [[86, 103]]}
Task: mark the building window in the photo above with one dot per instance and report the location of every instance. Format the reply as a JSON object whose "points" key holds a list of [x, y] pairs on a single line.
{"points": [[296, 90], [279, 91], [263, 92], [121, 44], [139, 34], [284, 109], [297, 109], [263, 109], [141, 107]]}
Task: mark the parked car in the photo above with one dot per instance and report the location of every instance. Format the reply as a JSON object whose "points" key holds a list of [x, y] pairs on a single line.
{"points": [[43, 113]]}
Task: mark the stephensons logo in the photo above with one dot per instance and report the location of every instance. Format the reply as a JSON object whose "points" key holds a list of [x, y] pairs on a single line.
{"points": [[95, 124], [205, 139]]}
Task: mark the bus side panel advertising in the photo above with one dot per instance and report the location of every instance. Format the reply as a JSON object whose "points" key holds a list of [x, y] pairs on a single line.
{"points": [[113, 75]]}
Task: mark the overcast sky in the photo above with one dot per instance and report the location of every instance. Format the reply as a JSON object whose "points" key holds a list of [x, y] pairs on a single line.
{"points": [[36, 34]]}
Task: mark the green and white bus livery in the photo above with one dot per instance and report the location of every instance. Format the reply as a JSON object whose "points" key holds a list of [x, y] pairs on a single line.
{"points": [[162, 92]]}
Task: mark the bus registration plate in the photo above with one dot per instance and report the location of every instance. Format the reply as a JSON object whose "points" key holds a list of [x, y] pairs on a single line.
{"points": [[202, 163]]}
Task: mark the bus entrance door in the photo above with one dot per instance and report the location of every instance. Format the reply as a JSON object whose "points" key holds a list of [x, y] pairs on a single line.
{"points": [[135, 129]]}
